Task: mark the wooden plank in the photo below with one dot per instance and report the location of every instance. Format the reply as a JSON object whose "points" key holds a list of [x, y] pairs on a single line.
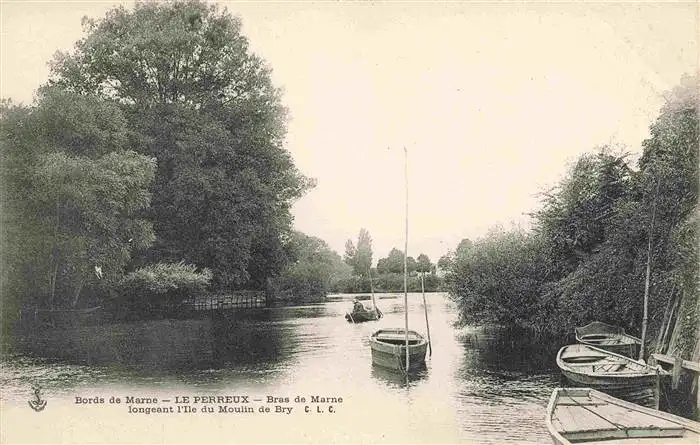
{"points": [[631, 436], [586, 419], [634, 419], [581, 402], [676, 374], [686, 364], [566, 419]]}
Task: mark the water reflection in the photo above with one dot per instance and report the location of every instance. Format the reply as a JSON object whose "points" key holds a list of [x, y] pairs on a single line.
{"points": [[252, 340], [398, 379], [476, 386]]}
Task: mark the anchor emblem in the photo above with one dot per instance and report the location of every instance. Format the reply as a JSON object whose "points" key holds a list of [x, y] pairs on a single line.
{"points": [[37, 404]]}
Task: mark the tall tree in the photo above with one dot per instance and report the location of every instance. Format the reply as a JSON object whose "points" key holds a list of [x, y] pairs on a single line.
{"points": [[73, 197], [363, 256], [199, 101], [359, 256], [350, 253]]}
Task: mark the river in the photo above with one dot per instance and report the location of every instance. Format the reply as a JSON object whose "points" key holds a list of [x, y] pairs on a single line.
{"points": [[478, 387]]}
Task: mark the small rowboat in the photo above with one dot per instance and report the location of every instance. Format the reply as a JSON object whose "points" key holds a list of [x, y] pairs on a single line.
{"points": [[389, 349], [611, 373], [608, 337], [361, 316], [584, 415]]}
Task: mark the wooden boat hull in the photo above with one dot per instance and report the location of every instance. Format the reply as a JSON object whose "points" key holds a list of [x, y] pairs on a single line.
{"points": [[614, 374], [361, 317], [584, 415], [389, 349], [608, 337]]}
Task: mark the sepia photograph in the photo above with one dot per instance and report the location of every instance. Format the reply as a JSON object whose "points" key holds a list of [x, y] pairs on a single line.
{"points": [[349, 222]]}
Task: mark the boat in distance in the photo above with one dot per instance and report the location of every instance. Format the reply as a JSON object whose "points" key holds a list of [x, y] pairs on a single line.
{"points": [[611, 373], [388, 348], [584, 415], [609, 337], [360, 316]]}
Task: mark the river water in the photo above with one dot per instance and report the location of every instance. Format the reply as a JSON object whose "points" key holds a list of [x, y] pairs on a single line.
{"points": [[478, 387]]}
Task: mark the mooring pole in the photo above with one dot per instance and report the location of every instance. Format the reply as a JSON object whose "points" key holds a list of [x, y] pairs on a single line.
{"points": [[648, 275], [405, 258], [425, 306]]}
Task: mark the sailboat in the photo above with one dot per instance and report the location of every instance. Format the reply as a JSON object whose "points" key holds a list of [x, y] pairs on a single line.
{"points": [[400, 349]]}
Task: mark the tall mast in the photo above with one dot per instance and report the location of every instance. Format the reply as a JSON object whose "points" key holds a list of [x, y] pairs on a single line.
{"points": [[405, 258]]}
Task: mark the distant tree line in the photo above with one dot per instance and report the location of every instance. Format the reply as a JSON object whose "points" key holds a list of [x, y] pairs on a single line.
{"points": [[388, 275], [594, 235]]}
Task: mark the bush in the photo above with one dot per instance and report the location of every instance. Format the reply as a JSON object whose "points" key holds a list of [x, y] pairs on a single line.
{"points": [[160, 286], [499, 280]]}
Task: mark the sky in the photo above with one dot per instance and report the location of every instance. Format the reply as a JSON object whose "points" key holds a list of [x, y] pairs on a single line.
{"points": [[492, 101]]}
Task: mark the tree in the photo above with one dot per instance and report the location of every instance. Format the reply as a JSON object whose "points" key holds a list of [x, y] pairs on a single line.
{"points": [[423, 264], [350, 253], [411, 265], [393, 263], [360, 257], [363, 256], [596, 235], [446, 261], [575, 215], [500, 281], [464, 247], [314, 269], [198, 101], [73, 198]]}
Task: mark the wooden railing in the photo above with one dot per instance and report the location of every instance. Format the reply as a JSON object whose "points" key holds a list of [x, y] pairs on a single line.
{"points": [[247, 300]]}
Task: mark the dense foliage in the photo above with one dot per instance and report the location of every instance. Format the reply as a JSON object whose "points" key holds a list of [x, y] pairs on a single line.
{"points": [[595, 233], [313, 271], [388, 276], [72, 200], [203, 105], [158, 140], [359, 256], [163, 285]]}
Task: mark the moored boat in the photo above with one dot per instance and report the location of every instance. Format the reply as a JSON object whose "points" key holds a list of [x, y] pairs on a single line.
{"points": [[400, 349], [609, 337], [584, 415], [611, 373], [389, 349]]}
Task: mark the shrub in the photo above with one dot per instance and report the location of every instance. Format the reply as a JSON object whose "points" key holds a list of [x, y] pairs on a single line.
{"points": [[162, 285]]}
